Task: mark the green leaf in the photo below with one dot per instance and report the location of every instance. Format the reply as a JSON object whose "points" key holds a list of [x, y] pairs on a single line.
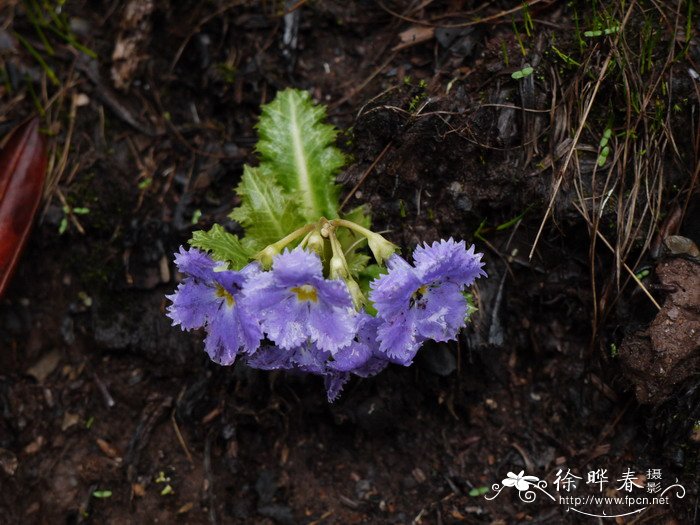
{"points": [[297, 147], [266, 212], [222, 245]]}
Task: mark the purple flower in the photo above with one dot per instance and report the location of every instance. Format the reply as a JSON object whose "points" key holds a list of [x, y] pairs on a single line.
{"points": [[361, 356], [309, 358], [270, 358], [424, 301], [210, 297], [296, 304], [335, 381]]}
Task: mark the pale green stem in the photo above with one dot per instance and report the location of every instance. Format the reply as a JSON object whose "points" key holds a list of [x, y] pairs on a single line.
{"points": [[338, 258], [265, 256], [284, 241], [354, 227], [381, 248]]}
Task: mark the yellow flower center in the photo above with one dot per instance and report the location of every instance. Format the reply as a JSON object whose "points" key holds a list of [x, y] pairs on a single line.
{"points": [[418, 294], [306, 293], [221, 292]]}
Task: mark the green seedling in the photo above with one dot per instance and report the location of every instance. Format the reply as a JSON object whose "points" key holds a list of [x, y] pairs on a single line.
{"points": [[70, 213], [478, 491], [643, 274], [604, 148], [566, 58], [162, 478], [102, 494], [602, 32], [524, 72]]}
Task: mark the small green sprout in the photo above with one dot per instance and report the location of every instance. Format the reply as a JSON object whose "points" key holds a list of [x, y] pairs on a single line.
{"points": [[166, 490], [566, 58], [196, 216], [90, 421], [524, 72], [642, 274], [162, 478], [614, 352], [102, 494], [145, 183], [605, 149], [600, 32], [68, 213], [478, 491]]}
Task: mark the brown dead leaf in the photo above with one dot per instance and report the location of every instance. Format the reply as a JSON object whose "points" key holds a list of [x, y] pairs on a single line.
{"points": [[45, 366], [107, 449], [34, 446], [69, 419]]}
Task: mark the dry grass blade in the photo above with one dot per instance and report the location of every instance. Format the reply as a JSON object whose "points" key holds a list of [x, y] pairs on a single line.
{"points": [[561, 173]]}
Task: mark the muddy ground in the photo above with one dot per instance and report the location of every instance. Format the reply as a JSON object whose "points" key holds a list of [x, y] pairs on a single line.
{"points": [[110, 415]]}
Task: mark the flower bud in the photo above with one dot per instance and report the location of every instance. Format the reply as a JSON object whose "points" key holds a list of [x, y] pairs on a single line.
{"points": [[337, 268], [315, 243], [265, 256], [358, 298], [381, 248]]}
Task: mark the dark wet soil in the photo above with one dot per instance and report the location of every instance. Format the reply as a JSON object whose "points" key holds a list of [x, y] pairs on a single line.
{"points": [[108, 414]]}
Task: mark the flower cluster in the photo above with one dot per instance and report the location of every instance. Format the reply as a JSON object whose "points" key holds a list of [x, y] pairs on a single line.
{"points": [[291, 316]]}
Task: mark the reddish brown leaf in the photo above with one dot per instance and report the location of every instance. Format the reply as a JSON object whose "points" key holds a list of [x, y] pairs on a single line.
{"points": [[22, 172]]}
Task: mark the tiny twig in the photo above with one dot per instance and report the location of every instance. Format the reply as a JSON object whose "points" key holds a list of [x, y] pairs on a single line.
{"points": [[108, 399], [365, 175]]}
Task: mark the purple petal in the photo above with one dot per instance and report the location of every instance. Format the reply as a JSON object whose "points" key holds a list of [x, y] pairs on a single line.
{"points": [[391, 292], [287, 323], [270, 358], [222, 342], [352, 357], [372, 367], [195, 263], [331, 328], [398, 338], [448, 261], [309, 358], [334, 385], [250, 331], [230, 280], [192, 304], [333, 292], [442, 312], [296, 268]]}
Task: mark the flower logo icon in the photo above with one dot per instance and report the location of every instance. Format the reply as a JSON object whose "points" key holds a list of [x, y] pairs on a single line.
{"points": [[519, 481]]}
